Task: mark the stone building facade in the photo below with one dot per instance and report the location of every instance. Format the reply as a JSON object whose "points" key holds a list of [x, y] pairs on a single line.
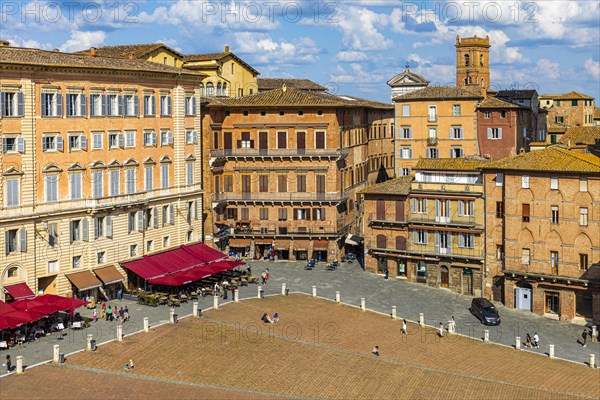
{"points": [[100, 164], [570, 109], [473, 63]]}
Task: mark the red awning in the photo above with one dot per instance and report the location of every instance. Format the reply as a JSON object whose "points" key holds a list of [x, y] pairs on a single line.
{"points": [[204, 252], [143, 268], [14, 319], [19, 291], [5, 308]]}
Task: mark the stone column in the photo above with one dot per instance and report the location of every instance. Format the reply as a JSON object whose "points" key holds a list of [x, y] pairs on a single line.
{"points": [[393, 312], [314, 291], [551, 351], [236, 296], [283, 289], [592, 360], [146, 325], [172, 315], [56, 355], [195, 309], [119, 333], [421, 319], [19, 364], [89, 342], [363, 305], [517, 342], [486, 335], [259, 295], [338, 297], [216, 302]]}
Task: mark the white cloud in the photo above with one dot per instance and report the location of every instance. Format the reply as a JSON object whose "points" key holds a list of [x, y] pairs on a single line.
{"points": [[592, 68], [351, 55], [266, 50], [548, 68], [360, 31], [81, 40], [357, 74], [436, 73]]}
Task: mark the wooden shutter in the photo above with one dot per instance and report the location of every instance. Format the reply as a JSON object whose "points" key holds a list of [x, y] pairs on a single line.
{"points": [[282, 183], [282, 140], [381, 241], [301, 140], [381, 210], [400, 243], [85, 230], [23, 247], [320, 183], [320, 140], [399, 210], [109, 226]]}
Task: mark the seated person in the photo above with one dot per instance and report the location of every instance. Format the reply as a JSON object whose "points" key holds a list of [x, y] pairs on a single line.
{"points": [[265, 318], [275, 317]]}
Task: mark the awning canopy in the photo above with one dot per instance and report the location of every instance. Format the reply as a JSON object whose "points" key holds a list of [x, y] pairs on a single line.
{"points": [[239, 242], [204, 252], [19, 291], [353, 240], [282, 244], [84, 280], [320, 244], [268, 242], [144, 269], [108, 275], [301, 245]]}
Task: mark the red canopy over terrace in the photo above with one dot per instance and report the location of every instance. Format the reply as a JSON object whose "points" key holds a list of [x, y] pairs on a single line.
{"points": [[16, 318], [204, 252], [19, 291]]}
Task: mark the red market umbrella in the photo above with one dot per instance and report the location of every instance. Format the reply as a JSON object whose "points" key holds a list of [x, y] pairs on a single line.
{"points": [[5, 308], [14, 319], [35, 306]]}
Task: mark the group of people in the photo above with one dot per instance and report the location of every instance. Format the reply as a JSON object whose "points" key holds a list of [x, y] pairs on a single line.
{"points": [[128, 367], [223, 290], [532, 342], [267, 320], [111, 313]]}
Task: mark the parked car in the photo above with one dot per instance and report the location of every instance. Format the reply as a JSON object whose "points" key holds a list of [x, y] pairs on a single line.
{"points": [[485, 311]]}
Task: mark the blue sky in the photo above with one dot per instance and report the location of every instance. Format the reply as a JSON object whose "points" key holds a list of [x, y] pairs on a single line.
{"points": [[352, 47]]}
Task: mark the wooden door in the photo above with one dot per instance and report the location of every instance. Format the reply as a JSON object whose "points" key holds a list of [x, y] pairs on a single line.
{"points": [[444, 277], [321, 184], [301, 142]]}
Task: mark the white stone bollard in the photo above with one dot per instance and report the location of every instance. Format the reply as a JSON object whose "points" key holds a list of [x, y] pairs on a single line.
{"points": [[172, 315], [119, 333], [259, 292], [89, 342], [19, 364], [592, 360], [393, 312], [551, 351], [283, 289], [486, 335], [421, 319], [338, 297], [236, 296], [216, 302], [441, 330], [314, 291], [363, 304], [594, 334], [517, 342], [451, 326], [56, 355], [146, 324], [195, 309]]}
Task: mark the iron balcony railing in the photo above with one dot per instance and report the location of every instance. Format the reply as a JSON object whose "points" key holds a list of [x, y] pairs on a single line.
{"points": [[278, 196], [246, 152]]}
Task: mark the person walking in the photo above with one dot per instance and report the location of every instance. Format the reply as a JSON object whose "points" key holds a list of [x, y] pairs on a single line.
{"points": [[536, 340], [122, 315], [130, 364], [95, 316], [404, 327], [386, 274], [528, 341], [584, 335], [263, 278], [441, 329], [120, 294], [103, 310], [8, 363], [267, 275], [375, 351], [126, 313], [233, 289]]}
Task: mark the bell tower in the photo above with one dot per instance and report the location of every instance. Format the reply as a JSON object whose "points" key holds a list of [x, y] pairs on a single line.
{"points": [[473, 63]]}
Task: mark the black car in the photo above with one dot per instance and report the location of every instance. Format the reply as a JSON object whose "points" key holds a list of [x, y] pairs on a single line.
{"points": [[485, 311]]}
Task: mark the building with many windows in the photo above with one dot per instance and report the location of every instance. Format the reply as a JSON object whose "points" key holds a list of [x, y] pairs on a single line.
{"points": [[570, 109], [284, 166], [543, 232], [100, 163]]}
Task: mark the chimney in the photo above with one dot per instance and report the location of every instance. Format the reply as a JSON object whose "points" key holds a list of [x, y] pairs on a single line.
{"points": [[284, 87], [4, 43], [131, 56], [92, 52], [569, 143], [522, 150], [226, 49]]}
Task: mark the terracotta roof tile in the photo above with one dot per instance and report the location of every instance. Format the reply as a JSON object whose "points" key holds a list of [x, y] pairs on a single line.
{"points": [[551, 158], [451, 164], [581, 135], [568, 96], [555, 127], [597, 113], [399, 186], [517, 94], [493, 102], [36, 57], [413, 79], [438, 93], [189, 58], [277, 83], [123, 51]]}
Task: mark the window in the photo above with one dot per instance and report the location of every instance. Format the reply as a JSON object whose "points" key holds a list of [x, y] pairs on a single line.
{"points": [[554, 183], [499, 179], [76, 227], [456, 133], [114, 105], [97, 184], [166, 241], [52, 234], [420, 236], [559, 119], [583, 184], [525, 212], [554, 262], [101, 257], [191, 137], [583, 216], [51, 105], [190, 106], [263, 183], [264, 214], [231, 213], [51, 143], [319, 140], [115, 141], [149, 106], [131, 221], [228, 183], [75, 192], [165, 105], [130, 180], [131, 105], [499, 209], [11, 240], [189, 173], [53, 266], [554, 214], [77, 142], [51, 188], [245, 143], [406, 110], [283, 214], [583, 261], [99, 227], [406, 153], [166, 138], [466, 208], [487, 114], [13, 104], [133, 250], [456, 152], [406, 133], [574, 103], [164, 176], [76, 105], [149, 245], [302, 214], [419, 205], [494, 133], [301, 183], [76, 261], [525, 182], [282, 140], [150, 138], [114, 188], [432, 115], [281, 113], [466, 240], [12, 193], [525, 256], [318, 214], [13, 144], [405, 172], [432, 153], [130, 139], [467, 60], [503, 114], [97, 141], [97, 105], [148, 178], [282, 183], [456, 110], [499, 252]]}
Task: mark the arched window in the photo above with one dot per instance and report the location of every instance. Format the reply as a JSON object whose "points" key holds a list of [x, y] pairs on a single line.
{"points": [[465, 81], [210, 89], [467, 59], [224, 90], [202, 90], [381, 241], [13, 272], [219, 89], [482, 84], [481, 60], [190, 236]]}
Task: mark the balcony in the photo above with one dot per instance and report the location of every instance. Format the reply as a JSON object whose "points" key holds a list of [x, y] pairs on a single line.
{"points": [[277, 154], [452, 221], [432, 118], [434, 253], [391, 223], [291, 234], [277, 198]]}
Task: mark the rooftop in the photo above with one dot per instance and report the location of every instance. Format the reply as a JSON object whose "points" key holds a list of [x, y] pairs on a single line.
{"points": [[517, 94], [552, 158], [190, 58], [399, 186], [581, 136], [407, 78], [471, 163], [286, 97], [277, 83], [438, 93], [555, 127], [597, 113], [44, 58], [567, 96], [124, 51], [493, 103]]}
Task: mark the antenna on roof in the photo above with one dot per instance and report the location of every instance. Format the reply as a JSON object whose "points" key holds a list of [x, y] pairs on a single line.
{"points": [[407, 65]]}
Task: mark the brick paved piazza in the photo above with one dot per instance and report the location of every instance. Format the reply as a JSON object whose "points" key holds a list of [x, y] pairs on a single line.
{"points": [[318, 349]]}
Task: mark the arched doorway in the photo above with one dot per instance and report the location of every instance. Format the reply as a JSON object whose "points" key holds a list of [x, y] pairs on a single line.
{"points": [[523, 293], [444, 277]]}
